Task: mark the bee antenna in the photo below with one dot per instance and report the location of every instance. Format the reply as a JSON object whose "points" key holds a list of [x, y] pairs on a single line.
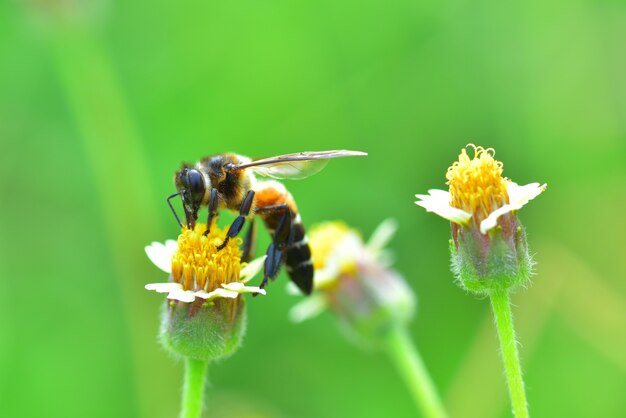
{"points": [[172, 207]]}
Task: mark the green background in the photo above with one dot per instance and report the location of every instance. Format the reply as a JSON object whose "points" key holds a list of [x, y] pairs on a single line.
{"points": [[101, 101]]}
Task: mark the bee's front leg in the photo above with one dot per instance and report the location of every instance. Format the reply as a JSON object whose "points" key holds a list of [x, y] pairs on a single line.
{"points": [[213, 205], [240, 220]]}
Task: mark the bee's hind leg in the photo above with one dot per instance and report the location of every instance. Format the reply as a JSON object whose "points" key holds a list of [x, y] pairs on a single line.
{"points": [[273, 261], [282, 238], [240, 220]]}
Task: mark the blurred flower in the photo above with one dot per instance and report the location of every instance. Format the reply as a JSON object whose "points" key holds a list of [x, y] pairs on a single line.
{"points": [[353, 279], [371, 301], [489, 249], [205, 316]]}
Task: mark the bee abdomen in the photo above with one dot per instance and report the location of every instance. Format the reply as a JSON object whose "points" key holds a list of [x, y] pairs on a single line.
{"points": [[298, 258]]}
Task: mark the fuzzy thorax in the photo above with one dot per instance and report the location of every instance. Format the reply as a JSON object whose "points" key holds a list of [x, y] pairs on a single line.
{"points": [[476, 184]]}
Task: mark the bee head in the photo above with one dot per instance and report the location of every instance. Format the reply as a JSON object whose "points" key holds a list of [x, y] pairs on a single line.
{"points": [[191, 188]]}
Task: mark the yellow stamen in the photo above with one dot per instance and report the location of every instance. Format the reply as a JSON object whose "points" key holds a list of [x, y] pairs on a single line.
{"points": [[476, 184], [198, 265]]}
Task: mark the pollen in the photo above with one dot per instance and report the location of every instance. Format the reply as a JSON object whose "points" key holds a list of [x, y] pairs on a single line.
{"points": [[476, 184], [323, 240], [199, 265]]}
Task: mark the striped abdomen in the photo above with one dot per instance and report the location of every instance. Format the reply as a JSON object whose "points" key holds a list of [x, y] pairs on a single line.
{"points": [[271, 202], [298, 262]]}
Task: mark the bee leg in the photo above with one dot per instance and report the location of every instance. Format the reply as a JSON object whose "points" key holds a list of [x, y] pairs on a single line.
{"points": [[283, 235], [213, 204], [240, 220], [272, 265], [248, 242], [169, 198]]}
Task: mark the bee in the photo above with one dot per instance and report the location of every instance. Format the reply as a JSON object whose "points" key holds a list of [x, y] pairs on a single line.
{"points": [[228, 181]]}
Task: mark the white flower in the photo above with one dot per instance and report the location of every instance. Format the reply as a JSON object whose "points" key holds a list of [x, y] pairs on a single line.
{"points": [[438, 201], [337, 250], [162, 256]]}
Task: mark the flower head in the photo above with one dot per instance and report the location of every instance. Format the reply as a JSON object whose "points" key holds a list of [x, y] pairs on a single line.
{"points": [[489, 249], [205, 317], [198, 270], [478, 194], [353, 279]]}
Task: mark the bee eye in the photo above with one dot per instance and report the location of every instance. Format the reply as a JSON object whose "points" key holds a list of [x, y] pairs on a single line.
{"points": [[195, 185]]}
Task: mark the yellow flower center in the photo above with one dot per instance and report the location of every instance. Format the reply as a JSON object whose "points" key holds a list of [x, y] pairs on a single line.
{"points": [[476, 184], [198, 265], [327, 238], [323, 240]]}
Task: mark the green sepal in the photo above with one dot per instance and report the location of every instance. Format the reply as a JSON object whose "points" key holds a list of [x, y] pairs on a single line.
{"points": [[203, 330], [483, 265]]}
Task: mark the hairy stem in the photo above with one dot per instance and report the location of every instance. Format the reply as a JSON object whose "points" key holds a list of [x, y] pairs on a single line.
{"points": [[193, 388], [504, 322], [413, 371]]}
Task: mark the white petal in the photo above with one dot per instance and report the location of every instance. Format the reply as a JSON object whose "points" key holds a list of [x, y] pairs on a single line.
{"points": [[251, 269], [348, 250], [386, 258], [160, 256], [325, 276], [438, 202], [164, 287], [241, 288], [202, 294], [439, 194], [171, 246], [217, 293], [308, 308], [294, 290], [182, 295], [518, 197], [491, 221], [382, 235]]}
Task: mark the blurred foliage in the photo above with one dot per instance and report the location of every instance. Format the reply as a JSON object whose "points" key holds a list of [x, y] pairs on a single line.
{"points": [[102, 100]]}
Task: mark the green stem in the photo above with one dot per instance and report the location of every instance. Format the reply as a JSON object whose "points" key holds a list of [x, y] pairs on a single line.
{"points": [[510, 357], [412, 368], [193, 388]]}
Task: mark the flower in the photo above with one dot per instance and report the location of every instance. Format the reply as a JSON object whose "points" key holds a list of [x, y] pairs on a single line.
{"points": [[488, 246], [353, 279], [205, 316], [198, 270], [478, 195]]}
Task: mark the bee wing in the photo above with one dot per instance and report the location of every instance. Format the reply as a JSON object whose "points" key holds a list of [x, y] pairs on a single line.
{"points": [[296, 166]]}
